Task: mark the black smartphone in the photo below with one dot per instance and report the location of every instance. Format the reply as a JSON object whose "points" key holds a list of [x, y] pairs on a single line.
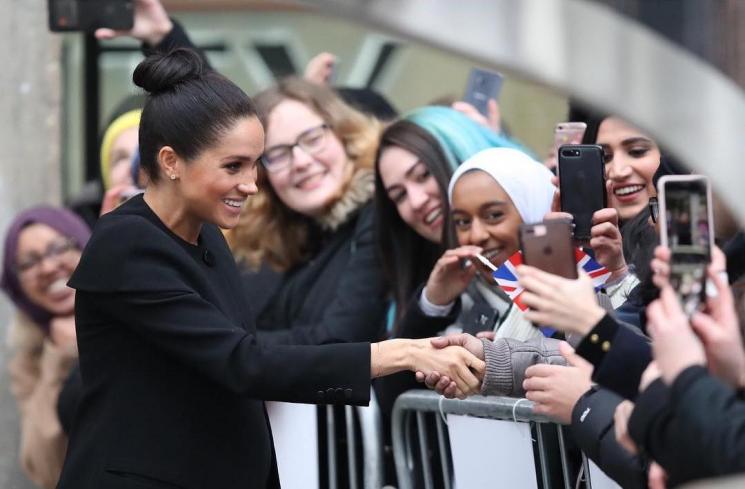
{"points": [[687, 229], [582, 185], [89, 15], [482, 86], [548, 245]]}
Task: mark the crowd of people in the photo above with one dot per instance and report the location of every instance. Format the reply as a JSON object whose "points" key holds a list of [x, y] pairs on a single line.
{"points": [[298, 243]]}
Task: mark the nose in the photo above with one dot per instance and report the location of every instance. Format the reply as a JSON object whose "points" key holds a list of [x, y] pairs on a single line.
{"points": [[248, 184], [618, 168], [417, 197], [48, 265], [300, 159], [477, 234]]}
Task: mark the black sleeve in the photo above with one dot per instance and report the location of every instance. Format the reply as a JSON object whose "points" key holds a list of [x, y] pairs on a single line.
{"points": [[177, 38], [357, 310], [182, 324], [593, 430], [619, 354]]}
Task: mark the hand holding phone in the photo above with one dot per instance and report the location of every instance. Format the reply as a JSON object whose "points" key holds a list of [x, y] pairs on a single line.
{"points": [[482, 86], [548, 246], [582, 185], [687, 229]]}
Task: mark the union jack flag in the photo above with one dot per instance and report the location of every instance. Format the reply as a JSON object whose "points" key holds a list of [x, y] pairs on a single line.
{"points": [[506, 276]]}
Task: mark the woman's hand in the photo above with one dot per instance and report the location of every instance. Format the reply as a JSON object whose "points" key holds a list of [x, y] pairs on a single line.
{"points": [[448, 278], [719, 330], [62, 333], [320, 69], [607, 243], [555, 389], [493, 120], [151, 24], [567, 305], [650, 374], [676, 347], [621, 426], [442, 383]]}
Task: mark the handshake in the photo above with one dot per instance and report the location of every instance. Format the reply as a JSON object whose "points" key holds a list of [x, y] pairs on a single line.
{"points": [[452, 365]]}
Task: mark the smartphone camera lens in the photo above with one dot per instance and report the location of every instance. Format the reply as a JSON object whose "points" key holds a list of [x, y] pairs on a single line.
{"points": [[570, 153]]}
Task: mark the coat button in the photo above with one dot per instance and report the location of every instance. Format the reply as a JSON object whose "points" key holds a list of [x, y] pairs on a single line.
{"points": [[348, 394], [321, 395]]}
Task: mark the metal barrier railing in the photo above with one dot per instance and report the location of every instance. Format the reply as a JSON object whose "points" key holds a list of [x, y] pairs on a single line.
{"points": [[368, 439], [420, 402]]}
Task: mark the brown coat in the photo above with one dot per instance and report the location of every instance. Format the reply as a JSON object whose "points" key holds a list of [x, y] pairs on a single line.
{"points": [[38, 368]]}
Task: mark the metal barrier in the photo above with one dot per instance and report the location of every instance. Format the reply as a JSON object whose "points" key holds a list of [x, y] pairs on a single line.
{"points": [[368, 439], [550, 438]]}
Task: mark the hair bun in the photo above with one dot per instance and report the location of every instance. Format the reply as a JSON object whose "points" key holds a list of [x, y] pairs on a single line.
{"points": [[161, 72]]}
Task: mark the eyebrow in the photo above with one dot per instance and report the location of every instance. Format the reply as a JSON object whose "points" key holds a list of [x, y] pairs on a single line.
{"points": [[637, 139], [407, 175], [236, 157], [481, 207]]}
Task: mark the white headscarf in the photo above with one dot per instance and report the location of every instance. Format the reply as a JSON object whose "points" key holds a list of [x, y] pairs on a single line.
{"points": [[527, 182]]}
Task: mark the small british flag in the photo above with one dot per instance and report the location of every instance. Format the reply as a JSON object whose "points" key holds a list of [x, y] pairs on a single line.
{"points": [[506, 275]]}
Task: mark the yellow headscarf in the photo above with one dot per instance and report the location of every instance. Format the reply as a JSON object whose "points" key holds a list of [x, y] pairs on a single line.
{"points": [[119, 125]]}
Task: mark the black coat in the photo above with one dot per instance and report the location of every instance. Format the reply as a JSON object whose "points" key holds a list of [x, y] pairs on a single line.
{"points": [[173, 376], [693, 429], [339, 296]]}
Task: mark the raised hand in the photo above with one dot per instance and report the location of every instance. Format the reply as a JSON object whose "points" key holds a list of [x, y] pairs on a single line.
{"points": [[676, 346], [454, 362], [607, 243], [62, 333], [320, 68], [567, 305], [449, 278], [493, 120], [719, 331], [555, 389], [151, 24]]}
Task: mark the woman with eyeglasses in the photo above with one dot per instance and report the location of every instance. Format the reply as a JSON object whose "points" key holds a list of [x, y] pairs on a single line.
{"points": [[42, 248], [312, 221]]}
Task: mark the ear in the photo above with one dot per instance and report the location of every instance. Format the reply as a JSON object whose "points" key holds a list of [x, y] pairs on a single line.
{"points": [[169, 162]]}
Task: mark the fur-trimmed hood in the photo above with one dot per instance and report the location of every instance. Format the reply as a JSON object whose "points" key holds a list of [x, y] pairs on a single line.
{"points": [[359, 192]]}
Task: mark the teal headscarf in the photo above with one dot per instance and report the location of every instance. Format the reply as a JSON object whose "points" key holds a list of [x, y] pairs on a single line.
{"points": [[459, 137]]}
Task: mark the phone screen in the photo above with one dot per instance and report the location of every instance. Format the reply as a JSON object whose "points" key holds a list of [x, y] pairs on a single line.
{"points": [[688, 230]]}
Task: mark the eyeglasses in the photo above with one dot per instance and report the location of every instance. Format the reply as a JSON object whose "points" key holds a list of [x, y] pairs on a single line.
{"points": [[278, 158], [56, 250]]}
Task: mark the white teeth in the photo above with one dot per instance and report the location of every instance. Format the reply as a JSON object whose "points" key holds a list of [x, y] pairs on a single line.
{"points": [[233, 203], [432, 216], [628, 190], [58, 285]]}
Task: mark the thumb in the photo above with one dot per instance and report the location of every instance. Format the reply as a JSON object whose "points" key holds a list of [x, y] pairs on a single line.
{"points": [[572, 358], [440, 342], [704, 326]]}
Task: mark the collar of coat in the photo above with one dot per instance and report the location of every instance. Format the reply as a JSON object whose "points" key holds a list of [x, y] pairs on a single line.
{"points": [[358, 192], [24, 334]]}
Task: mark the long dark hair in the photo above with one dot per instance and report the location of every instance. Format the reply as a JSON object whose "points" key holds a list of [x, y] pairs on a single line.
{"points": [[188, 106], [407, 257]]}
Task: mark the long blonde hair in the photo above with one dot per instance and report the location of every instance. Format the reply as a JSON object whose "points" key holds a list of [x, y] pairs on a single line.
{"points": [[268, 230]]}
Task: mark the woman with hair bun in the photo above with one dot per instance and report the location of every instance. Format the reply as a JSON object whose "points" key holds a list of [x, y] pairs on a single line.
{"points": [[173, 374]]}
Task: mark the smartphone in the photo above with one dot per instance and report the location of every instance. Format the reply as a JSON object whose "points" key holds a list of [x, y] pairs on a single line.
{"points": [[687, 229], [482, 86], [548, 245], [582, 185], [89, 15]]}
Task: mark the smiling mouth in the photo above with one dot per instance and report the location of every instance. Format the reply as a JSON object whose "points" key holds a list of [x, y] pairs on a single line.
{"points": [[236, 204], [432, 216], [309, 181], [627, 190]]}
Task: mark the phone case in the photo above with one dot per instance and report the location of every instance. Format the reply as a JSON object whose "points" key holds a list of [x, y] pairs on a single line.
{"points": [[89, 15], [568, 133], [582, 185], [700, 224], [548, 246], [482, 86]]}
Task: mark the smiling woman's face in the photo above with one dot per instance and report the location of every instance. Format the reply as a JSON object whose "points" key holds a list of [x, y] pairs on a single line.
{"points": [[631, 160], [311, 181], [484, 215]]}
